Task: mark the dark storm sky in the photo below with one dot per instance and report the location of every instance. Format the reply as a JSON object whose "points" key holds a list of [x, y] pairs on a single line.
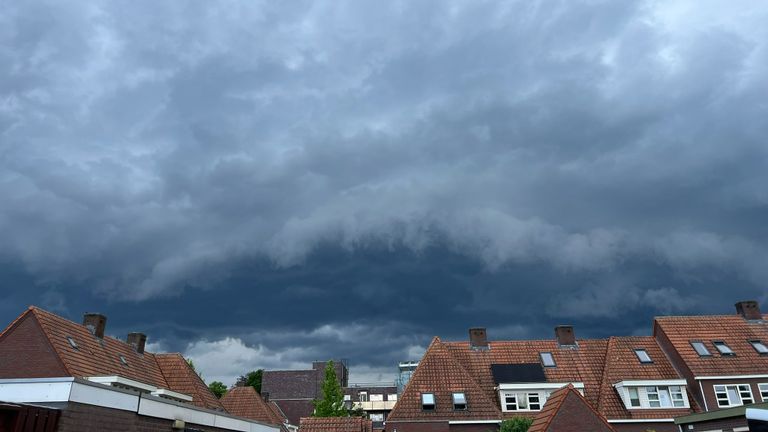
{"points": [[261, 184]]}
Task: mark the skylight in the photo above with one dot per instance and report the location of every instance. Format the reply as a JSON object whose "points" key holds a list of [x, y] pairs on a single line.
{"points": [[547, 359], [723, 348], [759, 346], [123, 361], [643, 356], [72, 343], [459, 401], [701, 349], [428, 401]]}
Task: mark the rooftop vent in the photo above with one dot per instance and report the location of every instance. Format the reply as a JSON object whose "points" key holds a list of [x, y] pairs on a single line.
{"points": [[96, 323], [565, 335], [137, 341], [478, 338], [749, 309]]}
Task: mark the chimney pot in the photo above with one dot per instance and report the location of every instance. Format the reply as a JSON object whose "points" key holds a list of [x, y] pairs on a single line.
{"points": [[478, 338], [137, 341], [96, 323], [749, 309], [565, 335]]}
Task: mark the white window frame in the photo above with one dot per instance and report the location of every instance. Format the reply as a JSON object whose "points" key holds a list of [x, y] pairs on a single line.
{"points": [[630, 398], [376, 397], [423, 400], [462, 396], [757, 342], [670, 392], [723, 348], [646, 389], [540, 395], [763, 393], [392, 397], [379, 417], [723, 389], [362, 396]]}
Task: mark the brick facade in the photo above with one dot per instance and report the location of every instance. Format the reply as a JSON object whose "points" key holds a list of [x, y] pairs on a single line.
{"points": [[26, 353]]}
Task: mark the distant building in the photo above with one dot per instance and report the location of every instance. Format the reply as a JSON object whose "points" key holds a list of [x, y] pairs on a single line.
{"points": [[376, 400], [294, 390], [405, 371], [243, 401], [335, 424]]}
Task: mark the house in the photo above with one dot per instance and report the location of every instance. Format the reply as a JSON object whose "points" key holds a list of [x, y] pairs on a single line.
{"points": [[244, 401], [102, 383], [335, 424], [472, 385], [566, 410], [294, 390]]}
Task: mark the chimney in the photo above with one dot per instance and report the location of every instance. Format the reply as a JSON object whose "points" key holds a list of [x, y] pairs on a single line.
{"points": [[265, 395], [478, 338], [96, 323], [564, 335], [749, 309], [137, 341]]}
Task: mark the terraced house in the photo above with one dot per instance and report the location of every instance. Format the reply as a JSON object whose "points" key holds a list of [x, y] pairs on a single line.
{"points": [[639, 383]]}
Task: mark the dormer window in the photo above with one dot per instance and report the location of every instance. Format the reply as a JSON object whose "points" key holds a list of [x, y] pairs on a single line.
{"points": [[665, 397], [653, 394], [428, 401], [723, 348], [643, 356], [72, 343], [759, 346], [701, 349], [459, 402], [547, 359]]}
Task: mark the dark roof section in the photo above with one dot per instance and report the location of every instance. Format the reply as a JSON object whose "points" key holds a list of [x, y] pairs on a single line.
{"points": [[518, 373]]}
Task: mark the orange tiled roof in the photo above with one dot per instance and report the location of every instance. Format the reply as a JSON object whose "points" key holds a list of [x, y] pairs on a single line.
{"points": [[544, 419], [734, 330], [621, 363], [101, 357], [245, 402], [335, 424]]}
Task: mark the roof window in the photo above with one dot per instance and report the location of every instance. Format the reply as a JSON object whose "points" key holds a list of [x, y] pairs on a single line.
{"points": [[723, 348], [701, 349], [759, 346], [459, 401], [123, 360], [547, 359], [72, 343], [428, 401], [643, 356]]}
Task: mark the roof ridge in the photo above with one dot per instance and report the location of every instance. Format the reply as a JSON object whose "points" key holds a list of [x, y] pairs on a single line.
{"points": [[608, 347]]}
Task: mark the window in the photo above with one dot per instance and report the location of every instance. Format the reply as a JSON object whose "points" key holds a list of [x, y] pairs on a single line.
{"points": [[459, 401], [363, 396], [723, 348], [392, 397], [347, 397], [701, 349], [763, 392], [123, 361], [643, 356], [665, 396], [428, 401], [523, 401], [634, 397], [72, 343], [377, 417], [376, 397], [760, 347], [733, 395], [547, 359]]}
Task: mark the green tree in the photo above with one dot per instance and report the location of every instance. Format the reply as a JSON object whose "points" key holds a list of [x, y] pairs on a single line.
{"points": [[218, 388], [192, 366], [332, 403], [252, 378], [516, 424]]}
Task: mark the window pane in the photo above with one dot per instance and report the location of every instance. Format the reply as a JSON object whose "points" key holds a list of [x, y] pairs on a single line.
{"points": [[459, 398], [634, 397], [723, 348], [763, 392], [547, 360], [664, 398], [746, 394], [700, 349], [643, 356], [733, 396], [759, 347]]}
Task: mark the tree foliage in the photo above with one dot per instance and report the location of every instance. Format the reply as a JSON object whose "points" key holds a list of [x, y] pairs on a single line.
{"points": [[218, 388], [252, 379], [332, 402], [516, 424]]}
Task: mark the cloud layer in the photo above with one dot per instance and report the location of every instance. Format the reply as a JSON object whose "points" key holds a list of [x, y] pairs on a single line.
{"points": [[391, 166]]}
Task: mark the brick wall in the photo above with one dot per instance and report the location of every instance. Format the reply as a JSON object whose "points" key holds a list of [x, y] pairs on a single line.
{"points": [[26, 353], [645, 427], [725, 425], [439, 426], [709, 390]]}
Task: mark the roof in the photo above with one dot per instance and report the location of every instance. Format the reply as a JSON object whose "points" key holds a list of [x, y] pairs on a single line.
{"points": [[576, 412], [335, 424], [597, 363], [294, 410], [734, 330], [621, 363], [102, 357], [246, 402]]}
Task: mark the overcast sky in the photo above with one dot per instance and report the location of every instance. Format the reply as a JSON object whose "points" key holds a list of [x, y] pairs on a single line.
{"points": [[262, 184]]}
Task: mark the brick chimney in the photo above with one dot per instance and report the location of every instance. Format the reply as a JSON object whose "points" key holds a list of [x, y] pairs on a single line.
{"points": [[478, 338], [564, 335], [749, 309], [137, 341], [265, 395], [96, 323]]}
